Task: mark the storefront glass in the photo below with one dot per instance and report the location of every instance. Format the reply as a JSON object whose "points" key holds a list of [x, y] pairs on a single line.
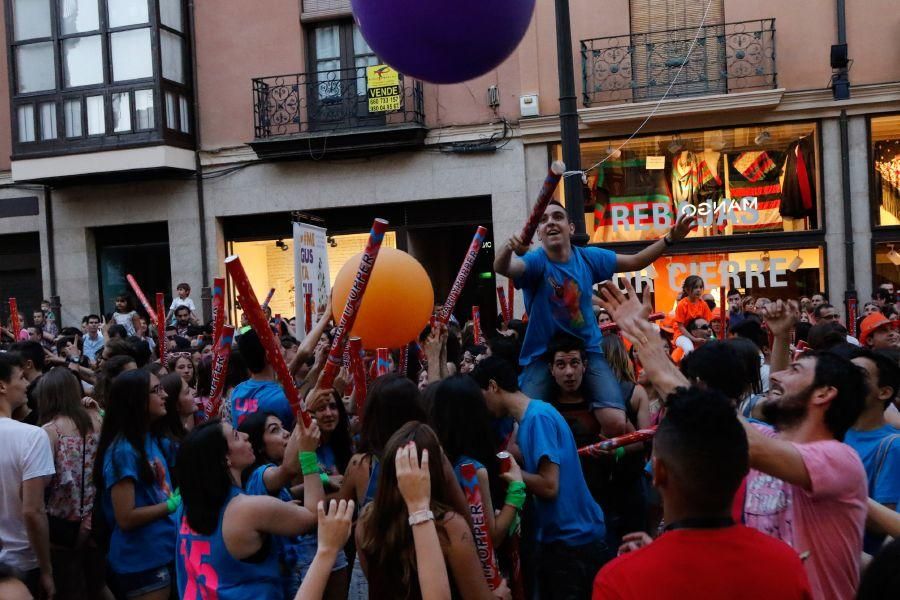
{"points": [[887, 264], [737, 181], [886, 166], [270, 264], [772, 274]]}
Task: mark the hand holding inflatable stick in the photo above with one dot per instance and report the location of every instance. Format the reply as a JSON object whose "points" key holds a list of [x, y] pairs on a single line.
{"points": [[551, 182], [600, 448]]}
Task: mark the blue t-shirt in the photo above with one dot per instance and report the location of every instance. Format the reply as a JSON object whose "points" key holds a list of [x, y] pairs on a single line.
{"points": [[573, 517], [206, 569], [457, 469], [875, 449], [558, 297], [880, 455], [252, 396], [152, 545]]}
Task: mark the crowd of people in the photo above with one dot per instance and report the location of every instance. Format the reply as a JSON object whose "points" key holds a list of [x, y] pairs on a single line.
{"points": [[774, 471]]}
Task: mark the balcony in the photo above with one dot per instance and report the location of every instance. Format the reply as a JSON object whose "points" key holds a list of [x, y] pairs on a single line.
{"points": [[727, 58], [311, 115]]}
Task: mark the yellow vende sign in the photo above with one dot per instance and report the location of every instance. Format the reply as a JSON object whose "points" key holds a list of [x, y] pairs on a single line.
{"points": [[383, 88]]}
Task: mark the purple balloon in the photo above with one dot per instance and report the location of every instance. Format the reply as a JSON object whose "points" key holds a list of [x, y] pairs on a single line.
{"points": [[443, 41]]}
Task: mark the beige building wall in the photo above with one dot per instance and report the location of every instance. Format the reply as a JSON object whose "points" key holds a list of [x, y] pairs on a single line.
{"points": [[238, 40]]}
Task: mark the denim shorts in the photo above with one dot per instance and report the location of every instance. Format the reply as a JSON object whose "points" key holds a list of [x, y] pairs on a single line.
{"points": [[600, 385], [144, 582]]}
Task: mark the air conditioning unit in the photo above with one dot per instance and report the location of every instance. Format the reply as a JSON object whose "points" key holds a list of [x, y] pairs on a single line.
{"points": [[528, 105]]}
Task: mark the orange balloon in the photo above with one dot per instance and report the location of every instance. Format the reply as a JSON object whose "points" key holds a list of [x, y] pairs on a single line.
{"points": [[397, 304]]}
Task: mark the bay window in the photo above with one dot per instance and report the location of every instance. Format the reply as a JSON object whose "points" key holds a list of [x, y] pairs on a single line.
{"points": [[98, 74]]}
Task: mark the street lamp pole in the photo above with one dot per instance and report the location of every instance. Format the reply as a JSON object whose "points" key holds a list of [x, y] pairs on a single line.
{"points": [[568, 121]]}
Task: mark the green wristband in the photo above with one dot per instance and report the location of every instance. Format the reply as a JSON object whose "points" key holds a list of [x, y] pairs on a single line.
{"points": [[515, 494], [620, 452], [173, 501], [309, 463]]}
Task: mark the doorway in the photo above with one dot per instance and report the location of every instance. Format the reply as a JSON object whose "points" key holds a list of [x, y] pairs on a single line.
{"points": [[20, 273], [141, 250]]}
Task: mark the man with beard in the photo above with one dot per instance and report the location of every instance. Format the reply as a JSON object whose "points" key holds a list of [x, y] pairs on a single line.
{"points": [[557, 280], [805, 487]]}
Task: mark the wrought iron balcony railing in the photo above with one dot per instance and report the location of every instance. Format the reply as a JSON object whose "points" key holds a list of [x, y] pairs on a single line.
{"points": [[306, 103], [728, 57]]}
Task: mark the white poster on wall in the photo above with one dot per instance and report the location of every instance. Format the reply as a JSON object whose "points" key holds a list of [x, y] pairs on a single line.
{"points": [[310, 272]]}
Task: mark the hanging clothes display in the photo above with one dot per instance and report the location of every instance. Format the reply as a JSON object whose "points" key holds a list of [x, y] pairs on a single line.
{"points": [[755, 174], [711, 169], [622, 186], [798, 194], [685, 180], [887, 176]]}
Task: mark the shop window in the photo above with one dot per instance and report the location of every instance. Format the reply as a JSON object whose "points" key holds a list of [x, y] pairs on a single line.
{"points": [[271, 265], [772, 274], [85, 74], [736, 181], [886, 167], [887, 265]]}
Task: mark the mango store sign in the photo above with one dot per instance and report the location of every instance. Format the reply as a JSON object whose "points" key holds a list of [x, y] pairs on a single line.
{"points": [[645, 216]]}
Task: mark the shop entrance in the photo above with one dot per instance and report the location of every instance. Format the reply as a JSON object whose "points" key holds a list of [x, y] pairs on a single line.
{"points": [[441, 251], [141, 250], [435, 232], [20, 273]]}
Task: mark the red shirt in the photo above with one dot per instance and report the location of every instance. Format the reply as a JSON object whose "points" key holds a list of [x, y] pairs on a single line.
{"points": [[733, 563]]}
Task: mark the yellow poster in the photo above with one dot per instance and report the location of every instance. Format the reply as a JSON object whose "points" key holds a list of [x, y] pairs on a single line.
{"points": [[383, 88]]}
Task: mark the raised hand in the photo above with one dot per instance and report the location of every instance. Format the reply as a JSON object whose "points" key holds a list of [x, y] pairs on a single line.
{"points": [[628, 312], [334, 526], [683, 226], [291, 460], [780, 316], [514, 473], [309, 436], [516, 244], [413, 478]]}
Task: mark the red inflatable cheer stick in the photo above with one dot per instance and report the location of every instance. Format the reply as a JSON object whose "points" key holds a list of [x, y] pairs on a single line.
{"points": [[463, 275], [260, 324], [540, 205], [142, 298], [354, 300]]}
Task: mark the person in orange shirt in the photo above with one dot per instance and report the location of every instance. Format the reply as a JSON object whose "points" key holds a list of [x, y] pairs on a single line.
{"points": [[692, 306]]}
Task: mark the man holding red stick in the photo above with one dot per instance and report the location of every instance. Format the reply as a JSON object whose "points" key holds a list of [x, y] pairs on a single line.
{"points": [[557, 279]]}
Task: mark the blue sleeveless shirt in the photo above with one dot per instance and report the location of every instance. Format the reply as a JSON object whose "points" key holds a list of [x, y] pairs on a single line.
{"points": [[206, 569]]}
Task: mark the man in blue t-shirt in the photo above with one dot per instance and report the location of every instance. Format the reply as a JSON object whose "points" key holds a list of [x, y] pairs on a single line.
{"points": [[569, 523], [877, 442], [557, 280], [261, 392]]}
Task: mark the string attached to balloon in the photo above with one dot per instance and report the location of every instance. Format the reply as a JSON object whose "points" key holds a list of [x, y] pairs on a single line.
{"points": [[583, 173]]}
